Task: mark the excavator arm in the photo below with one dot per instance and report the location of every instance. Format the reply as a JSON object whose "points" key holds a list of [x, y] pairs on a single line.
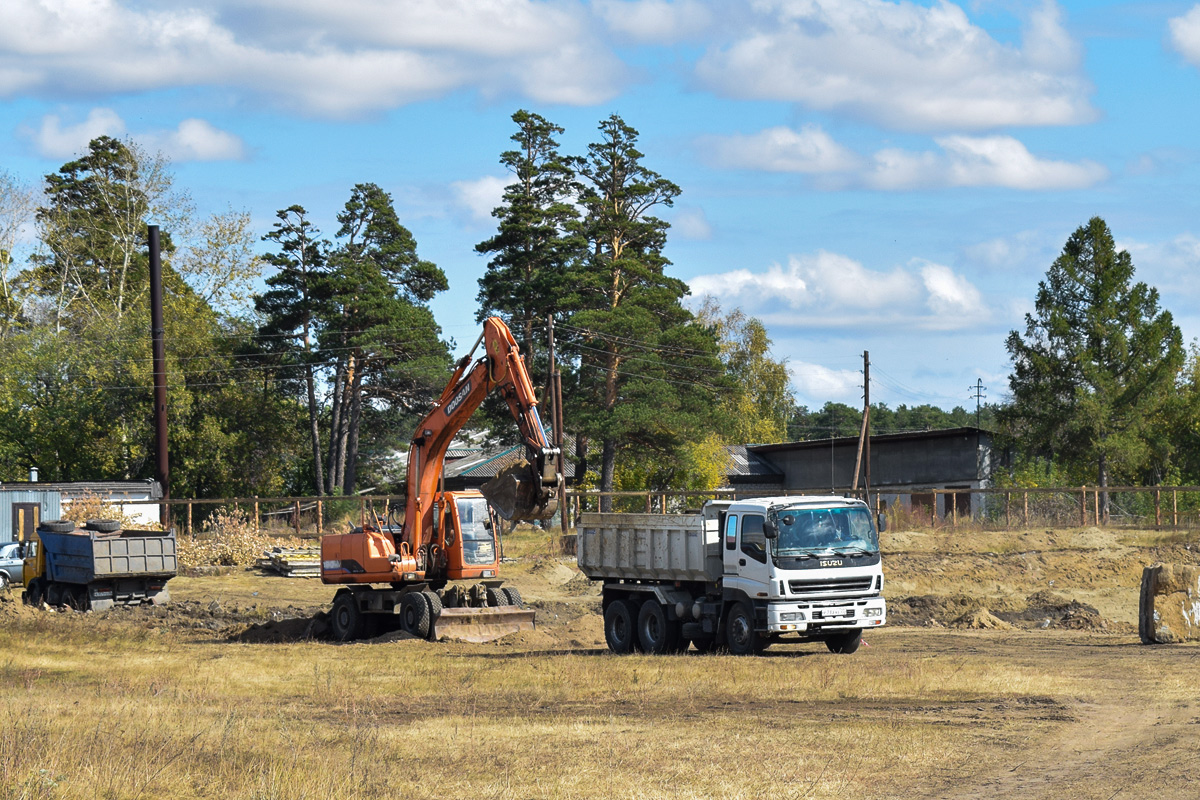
{"points": [[528, 490]]}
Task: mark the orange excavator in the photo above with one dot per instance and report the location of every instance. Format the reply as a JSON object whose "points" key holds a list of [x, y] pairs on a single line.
{"points": [[403, 574]]}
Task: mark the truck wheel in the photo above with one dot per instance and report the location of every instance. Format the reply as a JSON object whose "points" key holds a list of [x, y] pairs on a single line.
{"points": [[57, 525], [414, 615], [845, 643], [54, 595], [514, 597], [619, 632], [345, 620], [657, 634], [34, 593], [739, 632], [76, 598], [103, 525]]}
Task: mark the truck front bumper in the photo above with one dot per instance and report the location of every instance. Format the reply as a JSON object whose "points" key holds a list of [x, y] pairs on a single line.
{"points": [[790, 617]]}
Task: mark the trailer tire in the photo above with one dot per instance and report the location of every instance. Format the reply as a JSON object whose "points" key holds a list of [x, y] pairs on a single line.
{"points": [[619, 631], [740, 635], [845, 643], [514, 597], [57, 525], [657, 634], [103, 525], [345, 620], [414, 615]]}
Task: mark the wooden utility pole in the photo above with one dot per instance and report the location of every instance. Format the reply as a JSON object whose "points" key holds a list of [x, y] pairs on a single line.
{"points": [[159, 358], [556, 423], [867, 424]]}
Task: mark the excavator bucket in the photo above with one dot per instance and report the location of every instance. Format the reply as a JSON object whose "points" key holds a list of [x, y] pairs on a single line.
{"points": [[481, 625], [518, 494]]}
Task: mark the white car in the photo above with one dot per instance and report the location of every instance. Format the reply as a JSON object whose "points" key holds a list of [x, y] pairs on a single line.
{"points": [[11, 564]]}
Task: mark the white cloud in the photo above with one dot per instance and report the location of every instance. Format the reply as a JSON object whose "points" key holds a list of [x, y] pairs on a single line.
{"points": [[192, 140], [692, 223], [654, 20], [1185, 35], [816, 381], [781, 149], [53, 139], [963, 161], [1009, 253], [1172, 265], [480, 196], [976, 161], [330, 59], [903, 65], [832, 291]]}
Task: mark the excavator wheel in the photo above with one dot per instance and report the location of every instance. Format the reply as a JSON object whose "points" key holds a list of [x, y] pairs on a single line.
{"points": [[415, 615], [514, 597], [496, 597], [346, 621]]}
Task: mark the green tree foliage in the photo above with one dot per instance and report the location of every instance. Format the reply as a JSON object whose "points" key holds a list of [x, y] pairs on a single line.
{"points": [[648, 375], [1097, 363], [16, 209], [530, 252]]}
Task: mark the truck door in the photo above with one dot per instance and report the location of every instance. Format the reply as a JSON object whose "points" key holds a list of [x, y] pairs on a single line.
{"points": [[746, 566]]}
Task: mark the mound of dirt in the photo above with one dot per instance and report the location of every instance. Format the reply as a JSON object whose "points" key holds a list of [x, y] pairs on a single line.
{"points": [[1049, 610], [554, 572], [929, 610], [980, 619], [11, 607]]}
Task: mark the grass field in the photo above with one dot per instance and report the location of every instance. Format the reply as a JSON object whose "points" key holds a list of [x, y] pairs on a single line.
{"points": [[222, 696]]}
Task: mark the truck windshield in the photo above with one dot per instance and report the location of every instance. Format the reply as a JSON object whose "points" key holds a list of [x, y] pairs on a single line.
{"points": [[806, 530], [478, 545]]}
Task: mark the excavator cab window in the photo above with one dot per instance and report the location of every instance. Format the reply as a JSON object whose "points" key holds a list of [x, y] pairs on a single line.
{"points": [[479, 545]]}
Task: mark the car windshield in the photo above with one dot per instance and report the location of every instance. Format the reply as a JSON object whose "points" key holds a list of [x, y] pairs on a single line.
{"points": [[807, 530]]}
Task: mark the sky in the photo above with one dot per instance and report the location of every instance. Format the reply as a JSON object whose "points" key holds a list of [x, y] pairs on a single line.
{"points": [[861, 175]]}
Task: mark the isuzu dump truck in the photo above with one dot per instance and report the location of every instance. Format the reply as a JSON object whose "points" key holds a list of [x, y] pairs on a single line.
{"points": [[738, 574]]}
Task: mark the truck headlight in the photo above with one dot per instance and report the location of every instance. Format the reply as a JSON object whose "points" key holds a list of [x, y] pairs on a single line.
{"points": [[872, 612], [791, 616]]}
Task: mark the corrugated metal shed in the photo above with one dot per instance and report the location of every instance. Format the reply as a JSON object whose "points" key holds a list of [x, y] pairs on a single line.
{"points": [[50, 504]]}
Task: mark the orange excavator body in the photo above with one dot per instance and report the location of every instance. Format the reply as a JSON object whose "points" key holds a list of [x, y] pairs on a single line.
{"points": [[451, 535]]}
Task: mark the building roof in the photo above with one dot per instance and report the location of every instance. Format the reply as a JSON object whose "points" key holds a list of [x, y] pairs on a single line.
{"points": [[149, 487], [743, 466], [875, 438]]}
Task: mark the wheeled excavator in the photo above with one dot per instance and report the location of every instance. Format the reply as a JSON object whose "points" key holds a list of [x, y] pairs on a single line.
{"points": [[437, 573]]}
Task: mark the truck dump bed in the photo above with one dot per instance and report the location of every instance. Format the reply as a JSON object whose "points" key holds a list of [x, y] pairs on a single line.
{"points": [[652, 547], [86, 556]]}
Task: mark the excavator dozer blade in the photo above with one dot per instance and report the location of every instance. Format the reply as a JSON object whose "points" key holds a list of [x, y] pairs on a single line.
{"points": [[481, 625], [518, 494]]}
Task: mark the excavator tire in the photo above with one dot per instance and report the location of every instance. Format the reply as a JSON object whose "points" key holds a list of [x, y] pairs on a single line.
{"points": [[514, 597], [496, 597], [345, 620], [415, 615]]}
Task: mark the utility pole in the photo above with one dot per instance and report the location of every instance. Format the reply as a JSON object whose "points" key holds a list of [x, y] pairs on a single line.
{"points": [[556, 423], [867, 425], [979, 395], [157, 338]]}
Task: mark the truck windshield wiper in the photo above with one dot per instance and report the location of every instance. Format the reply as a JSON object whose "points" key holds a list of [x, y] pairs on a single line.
{"points": [[856, 551]]}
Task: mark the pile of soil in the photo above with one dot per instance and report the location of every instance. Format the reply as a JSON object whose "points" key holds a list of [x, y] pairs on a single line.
{"points": [[1049, 610], [980, 619], [1041, 609]]}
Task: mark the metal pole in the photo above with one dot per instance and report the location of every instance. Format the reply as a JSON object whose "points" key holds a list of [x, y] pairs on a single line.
{"points": [[867, 425], [158, 344]]}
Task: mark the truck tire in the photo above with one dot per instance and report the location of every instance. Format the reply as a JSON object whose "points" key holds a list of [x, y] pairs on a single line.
{"points": [[345, 620], [103, 525], [57, 525], [414, 615], [845, 643], [619, 631], [743, 640], [54, 595], [35, 592], [514, 597], [657, 634]]}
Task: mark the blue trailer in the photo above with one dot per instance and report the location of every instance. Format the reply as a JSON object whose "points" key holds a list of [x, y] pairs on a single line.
{"points": [[99, 566]]}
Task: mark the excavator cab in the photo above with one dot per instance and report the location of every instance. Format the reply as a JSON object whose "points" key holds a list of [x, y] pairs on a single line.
{"points": [[472, 549]]}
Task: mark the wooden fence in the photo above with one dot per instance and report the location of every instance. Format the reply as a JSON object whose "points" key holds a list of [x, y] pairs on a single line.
{"points": [[1011, 507]]}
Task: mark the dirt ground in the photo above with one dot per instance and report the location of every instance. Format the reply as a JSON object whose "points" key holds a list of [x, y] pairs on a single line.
{"points": [[1121, 720]]}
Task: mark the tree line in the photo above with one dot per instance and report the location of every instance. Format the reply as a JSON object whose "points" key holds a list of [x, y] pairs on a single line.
{"points": [[303, 369]]}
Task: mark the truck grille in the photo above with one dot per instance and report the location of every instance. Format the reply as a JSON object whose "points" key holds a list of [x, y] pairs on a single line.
{"points": [[832, 586]]}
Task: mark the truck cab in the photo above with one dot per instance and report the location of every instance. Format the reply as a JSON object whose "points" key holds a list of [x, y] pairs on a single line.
{"points": [[807, 566]]}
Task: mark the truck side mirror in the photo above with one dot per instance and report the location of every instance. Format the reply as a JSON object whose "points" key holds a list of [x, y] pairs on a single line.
{"points": [[881, 522], [770, 530]]}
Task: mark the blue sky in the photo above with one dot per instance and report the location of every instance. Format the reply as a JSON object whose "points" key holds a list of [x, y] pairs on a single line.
{"points": [[859, 174]]}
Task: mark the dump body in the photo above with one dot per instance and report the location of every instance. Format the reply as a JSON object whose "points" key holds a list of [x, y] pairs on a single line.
{"points": [[649, 547], [90, 569], [741, 574]]}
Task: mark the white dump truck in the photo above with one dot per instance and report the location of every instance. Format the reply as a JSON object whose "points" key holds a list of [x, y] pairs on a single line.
{"points": [[738, 574]]}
